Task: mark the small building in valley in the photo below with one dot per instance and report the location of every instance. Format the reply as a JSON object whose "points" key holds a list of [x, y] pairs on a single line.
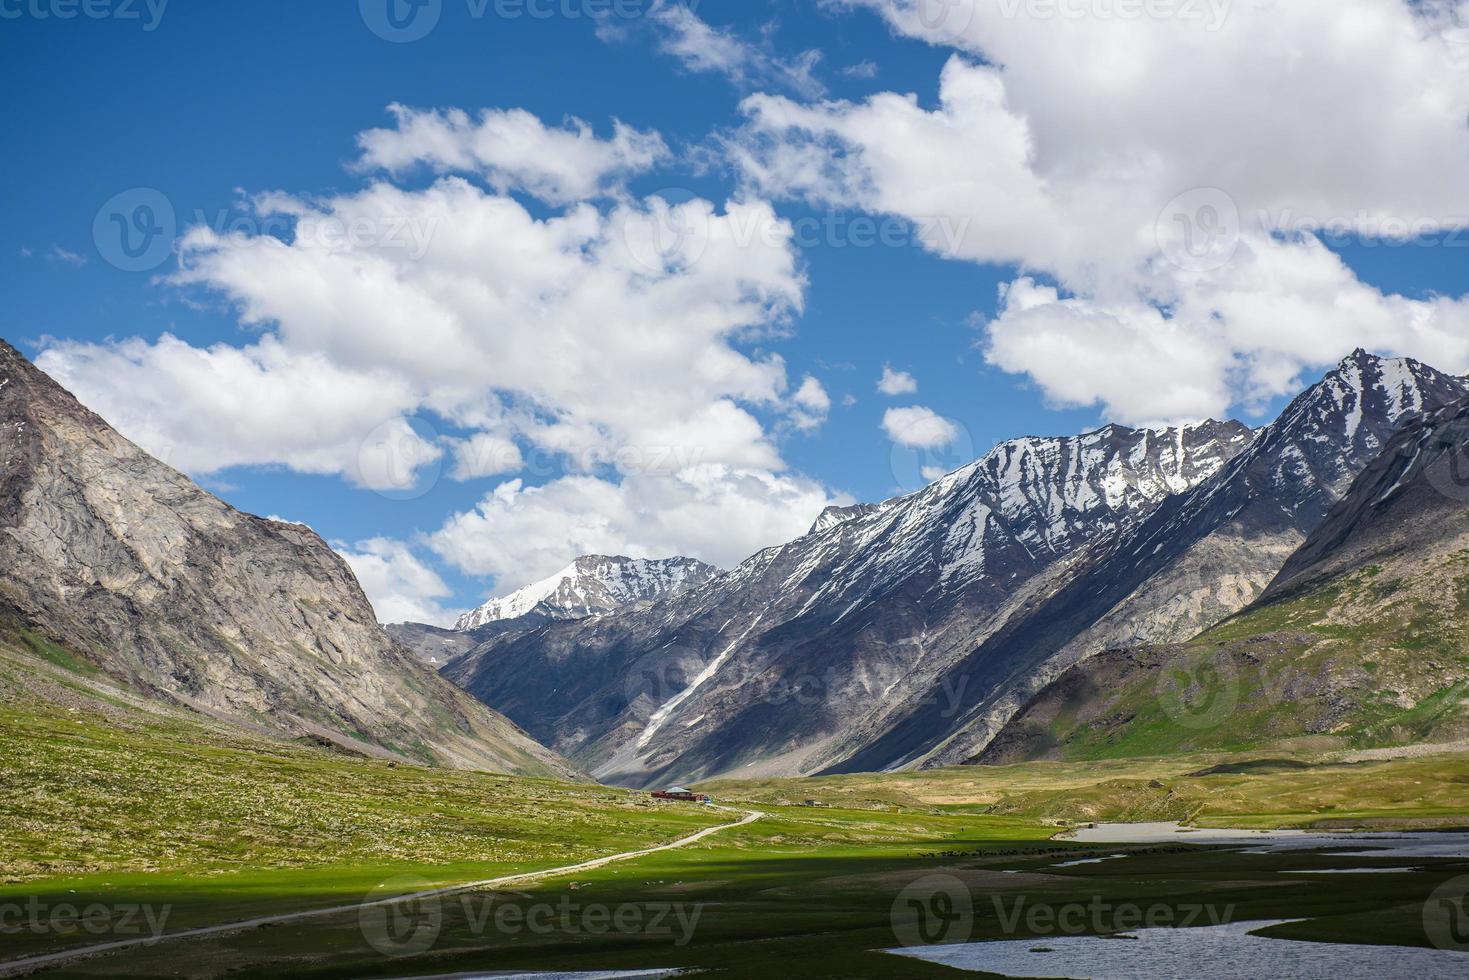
{"points": [[679, 793]]}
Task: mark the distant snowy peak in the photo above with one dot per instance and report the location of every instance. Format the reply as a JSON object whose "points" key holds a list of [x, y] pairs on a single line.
{"points": [[591, 586], [833, 516], [1027, 503]]}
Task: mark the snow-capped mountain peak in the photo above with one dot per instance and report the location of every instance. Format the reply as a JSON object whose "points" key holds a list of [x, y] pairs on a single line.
{"points": [[917, 624], [1325, 437], [590, 586], [1057, 491]]}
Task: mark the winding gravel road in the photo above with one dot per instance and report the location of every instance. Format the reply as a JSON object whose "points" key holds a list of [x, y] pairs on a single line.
{"points": [[12, 968]]}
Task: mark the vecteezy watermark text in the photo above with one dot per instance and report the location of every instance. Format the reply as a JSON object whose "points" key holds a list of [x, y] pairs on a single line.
{"points": [[412, 925], [1366, 229], [136, 230], [147, 13], [809, 689], [1212, 14], [95, 919], [940, 908], [1202, 229], [405, 21], [1097, 915]]}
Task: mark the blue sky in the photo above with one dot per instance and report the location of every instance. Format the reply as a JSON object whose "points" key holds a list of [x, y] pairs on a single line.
{"points": [[210, 104]]}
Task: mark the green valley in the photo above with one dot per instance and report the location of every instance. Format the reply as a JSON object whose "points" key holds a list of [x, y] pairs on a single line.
{"points": [[124, 804]]}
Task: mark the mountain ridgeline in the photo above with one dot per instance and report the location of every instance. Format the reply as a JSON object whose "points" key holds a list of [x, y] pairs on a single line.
{"points": [[1200, 557], [1358, 642], [909, 633], [797, 659], [132, 567], [1054, 599]]}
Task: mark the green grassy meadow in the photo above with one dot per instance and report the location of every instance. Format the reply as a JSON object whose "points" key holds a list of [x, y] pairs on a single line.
{"points": [[114, 800]]}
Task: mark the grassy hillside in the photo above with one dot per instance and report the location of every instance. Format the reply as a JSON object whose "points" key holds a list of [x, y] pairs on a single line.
{"points": [[113, 799], [1207, 790], [1376, 657], [107, 792]]}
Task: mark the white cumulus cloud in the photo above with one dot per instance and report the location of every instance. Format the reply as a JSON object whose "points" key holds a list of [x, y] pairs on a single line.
{"points": [[719, 514], [810, 405], [512, 150], [204, 409], [918, 427], [616, 344], [896, 382], [401, 587], [1172, 177]]}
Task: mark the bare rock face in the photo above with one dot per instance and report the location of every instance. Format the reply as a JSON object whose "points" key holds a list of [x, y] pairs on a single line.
{"points": [[166, 587], [433, 645], [1411, 503]]}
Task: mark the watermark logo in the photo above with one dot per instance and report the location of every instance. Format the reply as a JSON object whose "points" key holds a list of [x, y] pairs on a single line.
{"points": [[927, 448], [1449, 472], [402, 927], [406, 21], [670, 232], [1446, 915], [401, 21], [949, 19], [135, 230], [1212, 14], [653, 684], [940, 909], [412, 924], [401, 459], [934, 910], [1199, 690], [1199, 230]]}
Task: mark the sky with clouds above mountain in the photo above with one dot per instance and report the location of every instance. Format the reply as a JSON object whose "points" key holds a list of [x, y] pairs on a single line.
{"points": [[473, 287]]}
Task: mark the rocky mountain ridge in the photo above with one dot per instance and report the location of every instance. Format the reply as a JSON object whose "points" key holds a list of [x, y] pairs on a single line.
{"points": [[1200, 557], [791, 659], [131, 565], [1358, 642]]}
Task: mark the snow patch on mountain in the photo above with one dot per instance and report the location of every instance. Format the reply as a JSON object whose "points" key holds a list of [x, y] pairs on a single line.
{"points": [[591, 586]]}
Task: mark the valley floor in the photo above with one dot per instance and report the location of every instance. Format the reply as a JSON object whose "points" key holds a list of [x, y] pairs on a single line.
{"points": [[147, 819]]}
